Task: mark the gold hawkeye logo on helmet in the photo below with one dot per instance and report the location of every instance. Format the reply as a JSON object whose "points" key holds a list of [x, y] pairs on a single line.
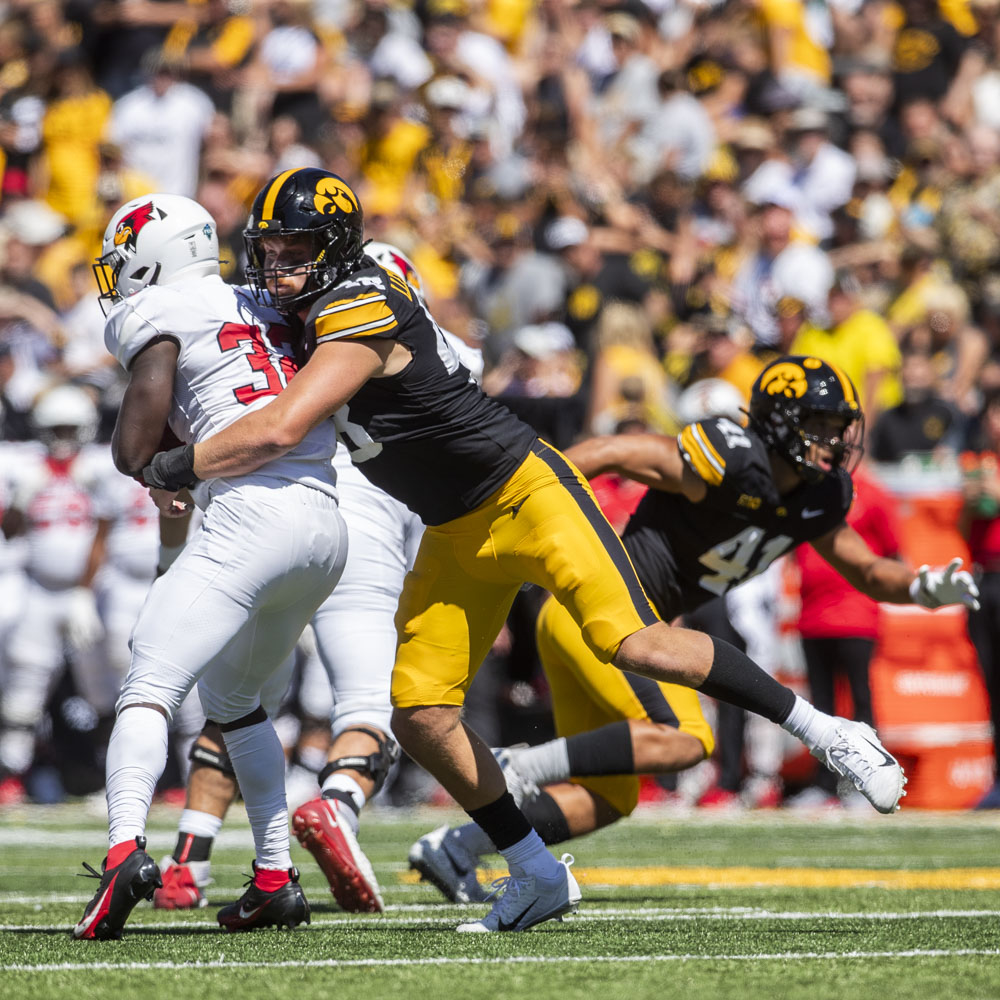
{"points": [[785, 379], [333, 194]]}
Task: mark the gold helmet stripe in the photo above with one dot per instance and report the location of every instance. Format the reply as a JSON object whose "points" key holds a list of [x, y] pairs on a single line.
{"points": [[846, 384], [272, 192]]}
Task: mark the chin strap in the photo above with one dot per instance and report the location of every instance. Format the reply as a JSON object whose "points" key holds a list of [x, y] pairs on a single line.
{"points": [[375, 766]]}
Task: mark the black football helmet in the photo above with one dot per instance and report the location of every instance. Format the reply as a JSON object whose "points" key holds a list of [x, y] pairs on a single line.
{"points": [[788, 393], [310, 202]]}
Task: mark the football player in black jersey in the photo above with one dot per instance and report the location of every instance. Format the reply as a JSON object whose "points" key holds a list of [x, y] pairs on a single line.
{"points": [[501, 507], [724, 502]]}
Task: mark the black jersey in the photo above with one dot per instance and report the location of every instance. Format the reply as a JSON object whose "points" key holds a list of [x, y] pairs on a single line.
{"points": [[428, 435], [687, 553]]}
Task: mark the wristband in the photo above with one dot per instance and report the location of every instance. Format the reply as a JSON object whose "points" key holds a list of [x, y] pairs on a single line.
{"points": [[171, 470]]}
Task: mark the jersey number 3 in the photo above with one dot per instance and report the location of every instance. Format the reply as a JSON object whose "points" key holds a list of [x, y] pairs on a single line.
{"points": [[277, 368]]}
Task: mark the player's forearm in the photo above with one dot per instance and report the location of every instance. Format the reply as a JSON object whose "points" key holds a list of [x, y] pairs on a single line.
{"points": [[244, 446], [594, 456], [887, 580]]}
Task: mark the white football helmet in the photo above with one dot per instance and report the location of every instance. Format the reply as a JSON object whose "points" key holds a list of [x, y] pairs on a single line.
{"points": [[155, 240], [393, 259], [710, 397], [65, 419]]}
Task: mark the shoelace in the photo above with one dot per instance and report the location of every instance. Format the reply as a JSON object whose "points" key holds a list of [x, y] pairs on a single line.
{"points": [[853, 758], [510, 888], [91, 872]]}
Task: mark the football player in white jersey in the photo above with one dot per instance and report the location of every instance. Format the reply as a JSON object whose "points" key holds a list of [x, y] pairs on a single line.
{"points": [[356, 642], [227, 613], [52, 509]]}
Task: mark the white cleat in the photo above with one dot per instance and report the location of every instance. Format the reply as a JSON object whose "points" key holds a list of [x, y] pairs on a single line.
{"points": [[518, 785], [527, 900], [444, 862], [856, 753]]}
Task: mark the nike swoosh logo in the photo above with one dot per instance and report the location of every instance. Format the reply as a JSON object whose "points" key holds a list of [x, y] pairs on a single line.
{"points": [[812, 513], [501, 926], [889, 761], [96, 913], [246, 914]]}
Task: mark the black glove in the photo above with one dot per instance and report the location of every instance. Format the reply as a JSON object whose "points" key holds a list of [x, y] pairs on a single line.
{"points": [[171, 470]]}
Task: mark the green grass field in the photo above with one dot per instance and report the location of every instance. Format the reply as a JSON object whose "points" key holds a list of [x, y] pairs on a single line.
{"points": [[686, 906]]}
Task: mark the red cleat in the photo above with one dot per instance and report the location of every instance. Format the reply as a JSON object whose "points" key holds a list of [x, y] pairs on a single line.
{"points": [[322, 831], [179, 890]]}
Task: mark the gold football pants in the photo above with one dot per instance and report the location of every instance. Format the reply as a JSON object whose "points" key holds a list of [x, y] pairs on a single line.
{"points": [[542, 526], [588, 694]]}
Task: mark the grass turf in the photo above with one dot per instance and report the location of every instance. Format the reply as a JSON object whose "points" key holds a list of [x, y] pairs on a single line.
{"points": [[662, 915]]}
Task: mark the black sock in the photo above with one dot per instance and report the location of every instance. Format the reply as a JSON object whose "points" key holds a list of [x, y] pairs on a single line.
{"points": [[547, 818], [191, 847], [501, 821], [736, 679], [607, 750], [341, 796]]}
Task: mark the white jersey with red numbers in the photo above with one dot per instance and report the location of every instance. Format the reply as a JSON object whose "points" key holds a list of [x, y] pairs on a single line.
{"points": [[235, 356], [57, 500]]}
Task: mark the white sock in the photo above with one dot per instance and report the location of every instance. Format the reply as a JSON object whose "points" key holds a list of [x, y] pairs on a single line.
{"points": [[17, 750], [259, 763], [345, 784], [530, 856], [137, 754], [545, 763], [813, 727], [472, 838], [201, 824]]}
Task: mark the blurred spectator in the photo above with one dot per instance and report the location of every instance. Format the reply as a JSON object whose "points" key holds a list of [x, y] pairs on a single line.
{"points": [[213, 48], [72, 130], [286, 68], [627, 376], [817, 178], [980, 524], [859, 342], [838, 624], [159, 128], [923, 422], [539, 378], [678, 133], [778, 267]]}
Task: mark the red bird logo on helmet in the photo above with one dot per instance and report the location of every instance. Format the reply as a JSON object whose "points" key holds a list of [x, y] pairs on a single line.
{"points": [[127, 230]]}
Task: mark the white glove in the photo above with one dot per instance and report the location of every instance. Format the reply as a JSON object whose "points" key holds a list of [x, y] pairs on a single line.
{"points": [[83, 624], [934, 588]]}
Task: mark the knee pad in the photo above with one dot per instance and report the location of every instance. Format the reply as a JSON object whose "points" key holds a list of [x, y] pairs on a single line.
{"points": [[210, 757], [375, 766]]}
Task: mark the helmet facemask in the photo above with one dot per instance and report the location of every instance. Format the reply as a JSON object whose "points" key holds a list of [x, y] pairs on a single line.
{"points": [[796, 433], [334, 251]]}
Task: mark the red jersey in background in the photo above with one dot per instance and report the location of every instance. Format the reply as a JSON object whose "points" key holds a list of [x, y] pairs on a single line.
{"points": [[831, 607]]}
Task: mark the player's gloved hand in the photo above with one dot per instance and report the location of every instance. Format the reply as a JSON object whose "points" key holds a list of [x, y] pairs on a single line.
{"points": [[933, 588], [83, 624], [171, 470]]}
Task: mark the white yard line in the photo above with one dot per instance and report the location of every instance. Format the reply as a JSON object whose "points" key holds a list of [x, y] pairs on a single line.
{"points": [[367, 963], [590, 915]]}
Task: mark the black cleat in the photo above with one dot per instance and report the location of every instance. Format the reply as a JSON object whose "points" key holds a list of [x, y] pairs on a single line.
{"points": [[284, 907], [137, 877]]}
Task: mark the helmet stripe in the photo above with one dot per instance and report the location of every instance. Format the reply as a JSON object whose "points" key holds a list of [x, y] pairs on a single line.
{"points": [[267, 212], [845, 383]]}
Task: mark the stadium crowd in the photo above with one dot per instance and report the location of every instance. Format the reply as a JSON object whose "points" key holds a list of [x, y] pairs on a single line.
{"points": [[629, 208]]}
